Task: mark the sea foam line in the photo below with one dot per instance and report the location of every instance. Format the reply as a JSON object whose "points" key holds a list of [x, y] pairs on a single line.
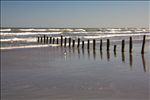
{"points": [[29, 46]]}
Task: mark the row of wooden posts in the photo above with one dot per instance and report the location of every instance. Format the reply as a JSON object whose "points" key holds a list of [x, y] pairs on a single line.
{"points": [[47, 40]]}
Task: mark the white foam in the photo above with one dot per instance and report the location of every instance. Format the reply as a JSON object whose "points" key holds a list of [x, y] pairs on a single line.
{"points": [[32, 29], [79, 30], [114, 35], [19, 39], [3, 30], [29, 46], [28, 33], [54, 30]]}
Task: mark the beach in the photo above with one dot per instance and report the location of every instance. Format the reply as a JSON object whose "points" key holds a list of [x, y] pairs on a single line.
{"points": [[63, 73]]}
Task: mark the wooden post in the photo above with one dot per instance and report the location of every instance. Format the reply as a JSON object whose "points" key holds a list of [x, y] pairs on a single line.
{"points": [[78, 43], [38, 39], [50, 40], [143, 45], [47, 40], [73, 43], [61, 40], [101, 44], [69, 42], [123, 45], [53, 40], [94, 43], [108, 43], [88, 44], [41, 39], [57, 41], [82, 44], [44, 39], [65, 41], [115, 50], [130, 45]]}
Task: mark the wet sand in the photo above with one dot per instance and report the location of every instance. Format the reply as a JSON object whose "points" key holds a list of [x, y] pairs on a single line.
{"points": [[58, 73]]}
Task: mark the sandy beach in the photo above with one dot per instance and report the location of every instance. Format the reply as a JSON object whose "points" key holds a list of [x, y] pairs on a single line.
{"points": [[58, 73]]}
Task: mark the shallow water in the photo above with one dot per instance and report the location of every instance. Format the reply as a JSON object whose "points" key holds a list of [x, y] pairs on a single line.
{"points": [[58, 73]]}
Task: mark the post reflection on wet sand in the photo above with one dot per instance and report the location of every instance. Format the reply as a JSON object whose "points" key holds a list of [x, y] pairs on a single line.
{"points": [[82, 53], [123, 57], [130, 60], [115, 54], [94, 54], [144, 62], [108, 56], [88, 52], [101, 54], [78, 52]]}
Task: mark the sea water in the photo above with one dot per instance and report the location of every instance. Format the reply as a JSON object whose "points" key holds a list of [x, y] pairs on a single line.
{"points": [[27, 37]]}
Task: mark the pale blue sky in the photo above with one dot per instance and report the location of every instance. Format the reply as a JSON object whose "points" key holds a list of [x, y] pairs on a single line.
{"points": [[75, 13]]}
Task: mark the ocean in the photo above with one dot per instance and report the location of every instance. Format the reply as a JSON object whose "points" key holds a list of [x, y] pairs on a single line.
{"points": [[25, 37]]}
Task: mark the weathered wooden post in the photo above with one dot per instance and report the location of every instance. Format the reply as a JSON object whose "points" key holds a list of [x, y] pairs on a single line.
{"points": [[82, 44], [123, 45], [78, 43], [61, 40], [47, 40], [143, 45], [53, 40], [69, 42], [50, 40], [44, 39], [41, 39], [65, 41], [73, 43], [108, 43], [94, 43], [130, 45], [101, 44], [115, 50], [88, 44], [38, 39], [57, 41]]}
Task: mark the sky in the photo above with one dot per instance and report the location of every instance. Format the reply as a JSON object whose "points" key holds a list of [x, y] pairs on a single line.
{"points": [[75, 14]]}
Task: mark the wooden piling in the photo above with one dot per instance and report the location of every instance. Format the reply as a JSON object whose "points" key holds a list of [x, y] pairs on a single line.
{"points": [[78, 43], [130, 45], [61, 40], [65, 42], [82, 44], [94, 43], [108, 43], [47, 40], [50, 40], [57, 41], [123, 45], [53, 40], [88, 44], [44, 39], [38, 39], [101, 44], [41, 39], [69, 42], [73, 43], [143, 45]]}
